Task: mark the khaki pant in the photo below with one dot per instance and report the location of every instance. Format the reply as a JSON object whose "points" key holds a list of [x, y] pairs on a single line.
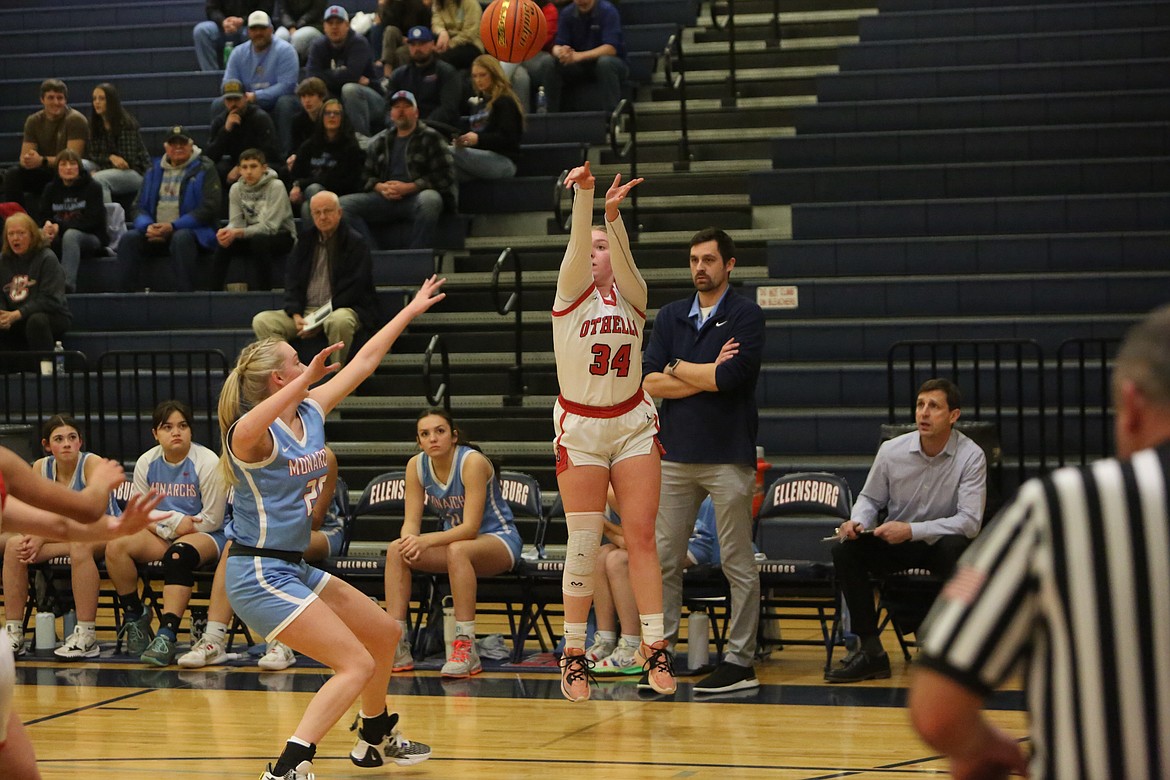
{"points": [[341, 325]]}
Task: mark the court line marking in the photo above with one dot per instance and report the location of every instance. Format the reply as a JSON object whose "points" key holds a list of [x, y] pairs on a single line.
{"points": [[95, 705]]}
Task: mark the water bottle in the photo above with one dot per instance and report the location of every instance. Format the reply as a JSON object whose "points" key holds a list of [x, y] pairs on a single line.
{"points": [[227, 52], [698, 631], [541, 101], [59, 358], [46, 637], [69, 622]]}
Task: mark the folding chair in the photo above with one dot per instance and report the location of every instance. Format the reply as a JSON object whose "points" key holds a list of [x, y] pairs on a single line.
{"points": [[799, 511]]}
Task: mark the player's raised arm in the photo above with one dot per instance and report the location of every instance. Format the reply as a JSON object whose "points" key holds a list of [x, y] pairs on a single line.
{"points": [[625, 273], [576, 274]]}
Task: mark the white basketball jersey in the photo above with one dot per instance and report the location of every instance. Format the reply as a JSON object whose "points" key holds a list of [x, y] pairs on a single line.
{"points": [[598, 347]]}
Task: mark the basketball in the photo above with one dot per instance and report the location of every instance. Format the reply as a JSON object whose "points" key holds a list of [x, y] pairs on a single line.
{"points": [[513, 30]]}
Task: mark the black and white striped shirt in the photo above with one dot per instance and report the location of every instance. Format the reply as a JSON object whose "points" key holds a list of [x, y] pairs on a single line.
{"points": [[1073, 580]]}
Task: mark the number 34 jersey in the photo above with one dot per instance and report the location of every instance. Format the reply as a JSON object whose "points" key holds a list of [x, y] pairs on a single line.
{"points": [[598, 347]]}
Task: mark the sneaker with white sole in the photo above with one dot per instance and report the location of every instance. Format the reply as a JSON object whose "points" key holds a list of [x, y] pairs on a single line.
{"points": [[279, 656], [304, 771], [393, 747], [403, 657], [601, 648], [207, 653], [464, 660], [623, 660], [79, 644], [14, 636]]}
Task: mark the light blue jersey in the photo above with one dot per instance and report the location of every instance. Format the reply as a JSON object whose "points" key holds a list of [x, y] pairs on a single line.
{"points": [[274, 498], [49, 472], [446, 501], [193, 487]]}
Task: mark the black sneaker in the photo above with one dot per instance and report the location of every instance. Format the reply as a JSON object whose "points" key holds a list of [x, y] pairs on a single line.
{"points": [[728, 677], [861, 667]]}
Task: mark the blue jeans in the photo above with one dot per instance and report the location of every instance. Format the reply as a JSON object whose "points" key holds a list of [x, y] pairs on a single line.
{"points": [[115, 182], [608, 73], [209, 40], [158, 265], [74, 242], [472, 163], [422, 210], [362, 103]]}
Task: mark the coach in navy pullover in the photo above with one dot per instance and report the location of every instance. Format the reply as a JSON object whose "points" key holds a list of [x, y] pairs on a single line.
{"points": [[703, 361]]}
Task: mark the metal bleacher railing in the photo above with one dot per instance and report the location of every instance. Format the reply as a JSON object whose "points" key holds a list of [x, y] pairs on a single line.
{"points": [[128, 385]]}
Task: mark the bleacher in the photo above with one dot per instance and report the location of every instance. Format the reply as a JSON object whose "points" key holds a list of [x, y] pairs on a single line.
{"points": [[941, 171]]}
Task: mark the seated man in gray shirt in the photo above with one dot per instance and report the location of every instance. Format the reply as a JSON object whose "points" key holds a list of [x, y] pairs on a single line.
{"points": [[933, 484]]}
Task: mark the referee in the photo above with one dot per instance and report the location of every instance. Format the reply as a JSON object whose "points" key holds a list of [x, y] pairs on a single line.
{"points": [[1072, 580]]}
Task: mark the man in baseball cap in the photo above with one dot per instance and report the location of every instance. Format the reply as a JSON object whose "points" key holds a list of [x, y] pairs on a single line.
{"points": [[266, 67], [403, 94], [178, 135], [345, 62], [434, 83], [419, 34]]}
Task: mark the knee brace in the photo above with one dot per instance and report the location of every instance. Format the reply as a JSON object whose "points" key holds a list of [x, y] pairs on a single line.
{"points": [[179, 565], [581, 553]]}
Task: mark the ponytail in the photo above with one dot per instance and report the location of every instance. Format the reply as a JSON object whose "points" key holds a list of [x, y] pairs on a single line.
{"points": [[246, 385]]}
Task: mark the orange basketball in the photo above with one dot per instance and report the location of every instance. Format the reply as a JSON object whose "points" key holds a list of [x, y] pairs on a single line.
{"points": [[513, 30]]}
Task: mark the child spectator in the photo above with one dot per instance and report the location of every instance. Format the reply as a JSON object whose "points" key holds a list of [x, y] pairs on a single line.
{"points": [[312, 94], [74, 214], [260, 224]]}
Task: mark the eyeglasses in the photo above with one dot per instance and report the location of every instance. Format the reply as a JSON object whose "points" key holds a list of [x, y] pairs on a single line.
{"points": [[332, 113]]}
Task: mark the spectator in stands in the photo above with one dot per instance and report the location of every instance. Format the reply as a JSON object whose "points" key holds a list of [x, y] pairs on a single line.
{"points": [[74, 215], [55, 127], [454, 480], [329, 160], [330, 266], [267, 68], [174, 217], [434, 83], [244, 126], [116, 152], [33, 309], [491, 144], [67, 463], [518, 72], [190, 536], [704, 362], [589, 49], [301, 24], [396, 17], [260, 225], [455, 24], [325, 542], [224, 25], [932, 483], [613, 595], [409, 176], [344, 61], [312, 94]]}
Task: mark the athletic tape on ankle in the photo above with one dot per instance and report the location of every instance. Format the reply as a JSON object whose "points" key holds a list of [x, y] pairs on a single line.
{"points": [[581, 552]]}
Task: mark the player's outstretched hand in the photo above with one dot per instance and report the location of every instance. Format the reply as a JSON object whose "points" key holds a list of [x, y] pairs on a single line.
{"points": [[581, 176], [138, 514], [318, 367], [429, 293], [618, 192]]}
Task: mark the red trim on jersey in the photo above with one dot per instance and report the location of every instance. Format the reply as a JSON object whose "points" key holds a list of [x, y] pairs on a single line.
{"points": [[603, 412], [575, 303]]}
